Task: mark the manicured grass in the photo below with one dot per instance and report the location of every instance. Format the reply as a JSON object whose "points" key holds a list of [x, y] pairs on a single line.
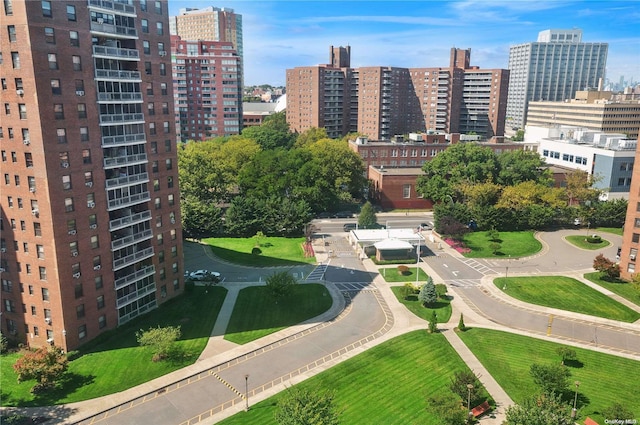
{"points": [[622, 288], [257, 314], [275, 251], [512, 245], [614, 230], [391, 274], [566, 294], [581, 242], [388, 384], [604, 378], [442, 306], [114, 362]]}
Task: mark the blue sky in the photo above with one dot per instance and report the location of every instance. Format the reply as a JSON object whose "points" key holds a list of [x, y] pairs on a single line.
{"points": [[284, 34]]}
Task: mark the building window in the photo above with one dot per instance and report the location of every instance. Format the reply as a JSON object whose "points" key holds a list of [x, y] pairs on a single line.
{"points": [[45, 294], [82, 332], [80, 311], [68, 204], [163, 89], [71, 13], [163, 69], [62, 135], [145, 26], [143, 5], [159, 28], [100, 302], [170, 199], [37, 229], [158, 7], [82, 110], [66, 182], [150, 89], [406, 191], [77, 63], [169, 163], [95, 242], [86, 156], [11, 29], [58, 111], [22, 109], [152, 128], [78, 290], [46, 8], [102, 321], [8, 7], [15, 60], [146, 47], [84, 134], [98, 282], [53, 60], [55, 87], [165, 127], [74, 38]]}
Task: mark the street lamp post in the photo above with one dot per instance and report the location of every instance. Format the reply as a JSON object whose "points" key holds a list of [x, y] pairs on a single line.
{"points": [[575, 401], [246, 392], [469, 388]]}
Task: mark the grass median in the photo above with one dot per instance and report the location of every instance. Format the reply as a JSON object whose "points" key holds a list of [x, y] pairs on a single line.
{"points": [[391, 274], [624, 289], [511, 245], [565, 293], [604, 378], [257, 314], [273, 251], [582, 242], [442, 307], [114, 361]]}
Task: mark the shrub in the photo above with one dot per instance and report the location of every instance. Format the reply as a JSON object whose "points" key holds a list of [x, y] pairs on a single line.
{"points": [[159, 339], [593, 239], [280, 284], [403, 270], [461, 325], [256, 251], [441, 290], [433, 322], [45, 364]]}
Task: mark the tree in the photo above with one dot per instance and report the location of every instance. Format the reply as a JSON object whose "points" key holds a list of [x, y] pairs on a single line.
{"points": [[200, 218], [552, 378], [495, 247], [45, 364], [566, 353], [449, 226], [428, 294], [459, 386], [433, 322], [305, 407], [459, 163], [4, 344], [309, 136], [461, 326], [543, 409], [518, 137], [610, 214], [606, 266], [407, 289], [273, 133], [367, 218], [518, 166], [493, 235], [618, 411], [280, 284], [579, 187], [447, 409], [160, 340]]}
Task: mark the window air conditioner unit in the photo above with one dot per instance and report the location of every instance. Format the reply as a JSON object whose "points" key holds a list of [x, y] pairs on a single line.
{"points": [[72, 232], [35, 212], [100, 20], [26, 141], [79, 92], [48, 320], [20, 92], [32, 189], [3, 249], [76, 275], [91, 204], [50, 340], [162, 53], [65, 165], [1, 269], [96, 267], [93, 226], [88, 184], [74, 253], [632, 257]]}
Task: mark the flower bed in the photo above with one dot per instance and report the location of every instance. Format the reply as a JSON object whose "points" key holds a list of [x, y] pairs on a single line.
{"points": [[457, 245]]}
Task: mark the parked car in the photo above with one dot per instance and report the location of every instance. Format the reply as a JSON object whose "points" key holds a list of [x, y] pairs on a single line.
{"points": [[427, 225], [324, 214], [349, 227], [343, 214], [204, 275]]}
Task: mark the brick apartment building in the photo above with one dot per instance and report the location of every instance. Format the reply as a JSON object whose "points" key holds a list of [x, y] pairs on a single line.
{"points": [[207, 86], [90, 216], [381, 102], [631, 232]]}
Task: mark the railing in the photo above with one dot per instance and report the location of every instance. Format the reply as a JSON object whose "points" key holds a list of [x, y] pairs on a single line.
{"points": [[127, 180], [118, 75], [130, 278], [119, 96], [116, 52], [129, 200], [125, 160], [113, 5], [128, 220], [126, 139], [135, 295], [131, 239], [133, 258], [114, 29], [120, 118]]}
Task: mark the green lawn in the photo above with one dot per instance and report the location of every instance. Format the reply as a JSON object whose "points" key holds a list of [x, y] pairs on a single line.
{"points": [[114, 362], [391, 274], [275, 251], [512, 245], [581, 242], [614, 230], [442, 307], [387, 384], [624, 289], [257, 314], [566, 294], [604, 379]]}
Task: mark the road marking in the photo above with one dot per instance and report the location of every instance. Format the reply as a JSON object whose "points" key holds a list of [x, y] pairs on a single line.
{"points": [[455, 273], [550, 324], [445, 265]]}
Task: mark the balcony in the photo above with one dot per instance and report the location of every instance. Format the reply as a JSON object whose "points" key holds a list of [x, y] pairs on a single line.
{"points": [[127, 201], [135, 295], [114, 30], [133, 277], [128, 220], [131, 239], [120, 97], [112, 74], [127, 180], [115, 53], [120, 161], [132, 259], [121, 119], [123, 140], [113, 6]]}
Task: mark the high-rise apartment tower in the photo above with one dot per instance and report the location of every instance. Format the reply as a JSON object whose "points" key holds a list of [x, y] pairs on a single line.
{"points": [[553, 68], [90, 213]]}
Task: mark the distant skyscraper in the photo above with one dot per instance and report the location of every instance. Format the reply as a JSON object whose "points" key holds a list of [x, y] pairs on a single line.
{"points": [[552, 69], [90, 212], [207, 88]]}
